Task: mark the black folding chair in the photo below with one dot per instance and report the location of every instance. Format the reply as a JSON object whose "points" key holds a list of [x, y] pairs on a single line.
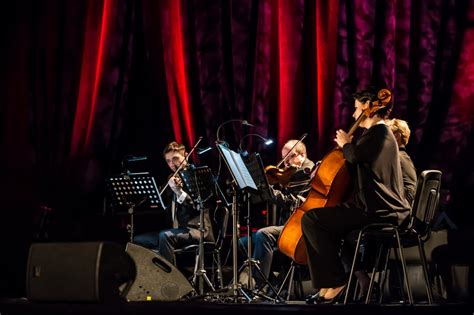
{"points": [[389, 236], [220, 218]]}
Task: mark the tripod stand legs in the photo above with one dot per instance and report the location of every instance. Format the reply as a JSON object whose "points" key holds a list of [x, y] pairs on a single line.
{"points": [[200, 276], [253, 264], [199, 269]]}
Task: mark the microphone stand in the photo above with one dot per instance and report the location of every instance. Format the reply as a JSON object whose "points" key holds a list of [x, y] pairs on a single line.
{"points": [[243, 121], [131, 211], [266, 141]]}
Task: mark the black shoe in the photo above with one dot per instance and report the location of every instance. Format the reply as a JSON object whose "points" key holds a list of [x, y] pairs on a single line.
{"points": [[313, 298], [339, 296]]}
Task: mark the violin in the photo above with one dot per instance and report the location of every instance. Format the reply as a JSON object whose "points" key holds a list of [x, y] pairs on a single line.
{"points": [[282, 176]]}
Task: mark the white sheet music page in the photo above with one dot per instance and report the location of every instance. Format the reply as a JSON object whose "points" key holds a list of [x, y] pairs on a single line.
{"points": [[247, 178], [237, 168], [233, 167]]}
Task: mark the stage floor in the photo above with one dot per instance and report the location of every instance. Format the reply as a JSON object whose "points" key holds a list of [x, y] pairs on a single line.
{"points": [[23, 306]]}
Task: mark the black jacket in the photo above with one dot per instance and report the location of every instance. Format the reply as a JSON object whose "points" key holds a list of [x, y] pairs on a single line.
{"points": [[378, 181]]}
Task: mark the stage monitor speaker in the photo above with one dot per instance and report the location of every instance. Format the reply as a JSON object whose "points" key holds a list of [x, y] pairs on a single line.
{"points": [[157, 279], [89, 272]]}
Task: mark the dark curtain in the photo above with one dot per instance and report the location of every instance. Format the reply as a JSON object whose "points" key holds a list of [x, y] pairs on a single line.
{"points": [[85, 83]]}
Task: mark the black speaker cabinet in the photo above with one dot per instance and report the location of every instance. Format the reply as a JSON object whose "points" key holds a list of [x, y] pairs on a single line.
{"points": [[91, 272], [157, 279]]}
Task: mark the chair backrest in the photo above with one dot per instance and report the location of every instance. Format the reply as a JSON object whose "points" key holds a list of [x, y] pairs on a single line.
{"points": [[221, 218], [425, 202]]}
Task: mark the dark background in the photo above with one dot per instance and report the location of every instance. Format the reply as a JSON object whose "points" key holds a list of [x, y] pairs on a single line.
{"points": [[86, 83]]}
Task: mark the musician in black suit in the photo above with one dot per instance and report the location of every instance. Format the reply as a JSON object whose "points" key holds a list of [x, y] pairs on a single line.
{"points": [[183, 212]]}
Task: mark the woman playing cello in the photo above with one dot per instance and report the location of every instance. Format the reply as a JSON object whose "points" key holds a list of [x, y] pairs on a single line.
{"points": [[378, 185]]}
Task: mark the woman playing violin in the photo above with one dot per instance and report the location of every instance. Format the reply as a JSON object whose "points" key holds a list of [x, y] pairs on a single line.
{"points": [[378, 197], [287, 197]]}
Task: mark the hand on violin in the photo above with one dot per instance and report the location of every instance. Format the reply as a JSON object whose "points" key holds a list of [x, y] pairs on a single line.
{"points": [[342, 138], [175, 184]]}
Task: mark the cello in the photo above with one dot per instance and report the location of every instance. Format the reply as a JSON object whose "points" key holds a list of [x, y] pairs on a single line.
{"points": [[329, 186]]}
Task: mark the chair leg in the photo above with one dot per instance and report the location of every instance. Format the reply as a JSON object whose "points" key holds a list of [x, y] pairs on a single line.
{"points": [[219, 269], [374, 271], [399, 274], [404, 268], [288, 277], [429, 290], [300, 294], [385, 275], [351, 275], [290, 282], [196, 267]]}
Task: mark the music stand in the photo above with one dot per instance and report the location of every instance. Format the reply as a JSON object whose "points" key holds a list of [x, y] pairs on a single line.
{"points": [[198, 183], [257, 171], [264, 194], [244, 181], [129, 191]]}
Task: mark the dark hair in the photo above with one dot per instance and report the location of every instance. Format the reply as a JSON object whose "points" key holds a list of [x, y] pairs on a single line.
{"points": [[369, 94], [385, 112]]}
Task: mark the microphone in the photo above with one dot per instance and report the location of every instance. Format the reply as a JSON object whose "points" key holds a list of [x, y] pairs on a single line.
{"points": [[244, 122], [135, 158]]}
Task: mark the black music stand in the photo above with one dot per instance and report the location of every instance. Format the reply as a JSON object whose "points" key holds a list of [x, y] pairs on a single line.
{"points": [[198, 183], [257, 171], [264, 194], [131, 191], [246, 183]]}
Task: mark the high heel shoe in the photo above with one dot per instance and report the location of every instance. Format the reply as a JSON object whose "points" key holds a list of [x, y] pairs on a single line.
{"points": [[335, 299]]}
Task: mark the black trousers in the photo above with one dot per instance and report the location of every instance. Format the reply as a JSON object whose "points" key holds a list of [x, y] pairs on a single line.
{"points": [[323, 232]]}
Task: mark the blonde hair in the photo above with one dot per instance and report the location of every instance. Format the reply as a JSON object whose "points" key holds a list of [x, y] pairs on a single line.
{"points": [[175, 147], [300, 148], [400, 127]]}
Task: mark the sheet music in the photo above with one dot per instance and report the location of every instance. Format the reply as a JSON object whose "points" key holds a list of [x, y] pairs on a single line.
{"points": [[238, 168], [257, 171]]}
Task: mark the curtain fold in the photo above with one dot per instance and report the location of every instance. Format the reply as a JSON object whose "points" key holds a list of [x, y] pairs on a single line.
{"points": [[89, 82]]}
